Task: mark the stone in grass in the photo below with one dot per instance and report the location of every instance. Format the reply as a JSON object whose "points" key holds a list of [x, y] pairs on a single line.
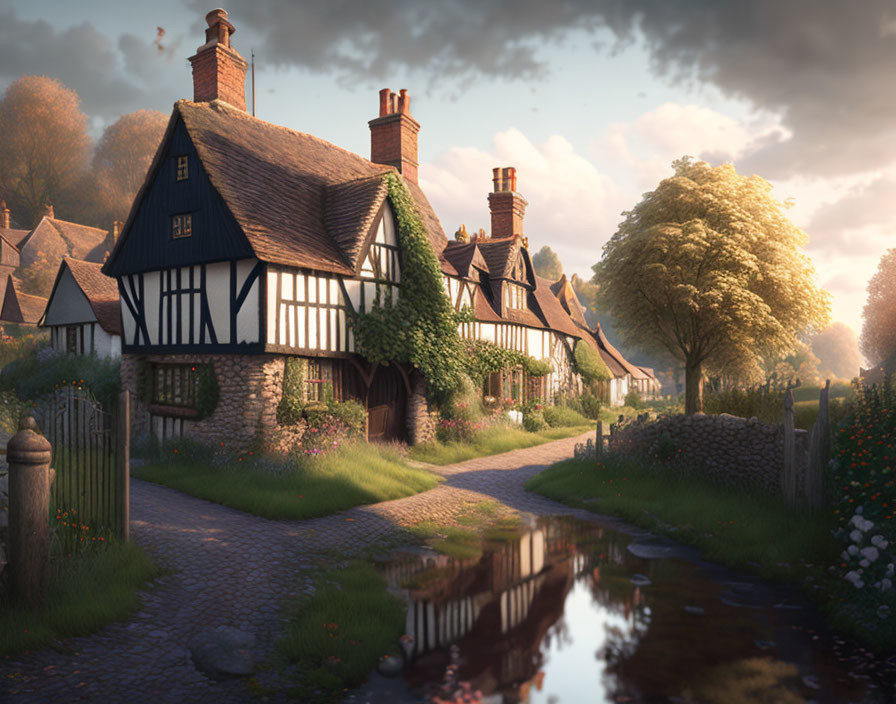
{"points": [[390, 666], [223, 652], [640, 580]]}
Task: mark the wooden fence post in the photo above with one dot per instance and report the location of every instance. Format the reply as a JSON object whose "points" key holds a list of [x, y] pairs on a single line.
{"points": [[789, 476], [28, 455], [819, 450], [124, 461], [599, 445]]}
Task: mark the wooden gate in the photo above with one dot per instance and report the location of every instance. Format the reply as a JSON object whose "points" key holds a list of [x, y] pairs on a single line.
{"points": [[91, 457], [387, 402]]}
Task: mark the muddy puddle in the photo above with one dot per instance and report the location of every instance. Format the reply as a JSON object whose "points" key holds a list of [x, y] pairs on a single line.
{"points": [[566, 611]]}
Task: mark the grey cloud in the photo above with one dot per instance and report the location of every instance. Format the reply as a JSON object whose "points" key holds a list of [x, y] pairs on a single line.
{"points": [[837, 226], [825, 66], [110, 79]]}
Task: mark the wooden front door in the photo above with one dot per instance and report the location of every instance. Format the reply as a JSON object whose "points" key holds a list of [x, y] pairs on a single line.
{"points": [[387, 402]]}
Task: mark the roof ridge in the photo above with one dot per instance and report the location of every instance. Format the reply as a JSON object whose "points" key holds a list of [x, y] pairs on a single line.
{"points": [[243, 115], [53, 221]]}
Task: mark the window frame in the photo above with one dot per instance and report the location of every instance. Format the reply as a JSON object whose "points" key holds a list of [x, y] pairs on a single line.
{"points": [[181, 226], [182, 167], [174, 385]]}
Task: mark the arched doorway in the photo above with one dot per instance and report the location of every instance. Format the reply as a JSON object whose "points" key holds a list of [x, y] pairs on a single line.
{"points": [[387, 402]]}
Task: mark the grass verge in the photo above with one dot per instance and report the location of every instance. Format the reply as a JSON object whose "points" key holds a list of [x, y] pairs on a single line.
{"points": [[729, 526], [335, 636], [752, 532], [318, 486], [489, 442], [86, 592]]}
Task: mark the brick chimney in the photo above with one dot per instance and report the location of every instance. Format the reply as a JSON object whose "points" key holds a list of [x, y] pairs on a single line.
{"points": [[116, 231], [219, 72], [48, 211], [4, 215], [506, 205], [393, 135]]}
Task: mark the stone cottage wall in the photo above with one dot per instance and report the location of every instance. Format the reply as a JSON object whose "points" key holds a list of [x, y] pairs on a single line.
{"points": [[421, 422], [246, 415], [735, 451]]}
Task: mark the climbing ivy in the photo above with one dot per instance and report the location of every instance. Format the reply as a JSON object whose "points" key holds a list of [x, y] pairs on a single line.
{"points": [[207, 391], [292, 402], [589, 363], [420, 329], [483, 358]]}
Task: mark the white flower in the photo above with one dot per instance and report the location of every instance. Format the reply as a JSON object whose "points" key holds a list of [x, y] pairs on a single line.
{"points": [[885, 585], [856, 536], [879, 541], [870, 553], [865, 563], [858, 509], [854, 578], [852, 550]]}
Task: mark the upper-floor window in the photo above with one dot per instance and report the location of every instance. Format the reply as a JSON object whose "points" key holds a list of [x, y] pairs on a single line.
{"points": [[183, 168], [514, 296], [181, 225]]}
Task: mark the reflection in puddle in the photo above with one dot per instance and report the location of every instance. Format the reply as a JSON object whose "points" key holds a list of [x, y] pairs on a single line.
{"points": [[565, 612]]}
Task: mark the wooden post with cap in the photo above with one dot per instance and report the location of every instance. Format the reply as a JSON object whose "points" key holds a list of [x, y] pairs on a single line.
{"points": [[28, 454]]}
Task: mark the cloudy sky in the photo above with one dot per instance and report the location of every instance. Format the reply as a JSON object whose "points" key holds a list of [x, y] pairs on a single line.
{"points": [[591, 100]]}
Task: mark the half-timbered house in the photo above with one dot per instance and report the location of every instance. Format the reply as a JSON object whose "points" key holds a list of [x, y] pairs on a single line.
{"points": [[250, 243], [82, 313]]}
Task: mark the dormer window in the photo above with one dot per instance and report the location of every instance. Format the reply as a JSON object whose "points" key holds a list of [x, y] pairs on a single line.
{"points": [[514, 296], [183, 168], [181, 226]]}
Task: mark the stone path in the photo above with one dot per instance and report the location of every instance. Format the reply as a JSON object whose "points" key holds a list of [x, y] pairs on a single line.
{"points": [[233, 569]]}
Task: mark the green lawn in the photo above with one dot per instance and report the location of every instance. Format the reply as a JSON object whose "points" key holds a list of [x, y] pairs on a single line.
{"points": [[86, 592], [489, 442], [729, 526], [335, 636], [319, 486]]}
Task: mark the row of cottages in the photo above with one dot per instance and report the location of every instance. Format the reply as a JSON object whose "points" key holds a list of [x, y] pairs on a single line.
{"points": [[50, 240], [250, 242]]}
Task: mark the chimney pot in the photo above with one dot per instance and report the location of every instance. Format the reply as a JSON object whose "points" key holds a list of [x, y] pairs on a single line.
{"points": [[393, 135], [507, 206], [48, 211], [219, 72], [4, 215]]}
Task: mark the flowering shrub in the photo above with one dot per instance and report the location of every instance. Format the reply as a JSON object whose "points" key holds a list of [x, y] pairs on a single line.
{"points": [[864, 487], [458, 429], [533, 420]]}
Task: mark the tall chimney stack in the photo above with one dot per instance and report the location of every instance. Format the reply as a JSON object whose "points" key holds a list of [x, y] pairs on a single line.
{"points": [[506, 205], [393, 135], [4, 215], [219, 72]]}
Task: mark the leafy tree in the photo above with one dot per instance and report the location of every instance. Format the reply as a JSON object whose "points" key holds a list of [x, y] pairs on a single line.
{"points": [[121, 160], [879, 315], [837, 350], [44, 148], [547, 264], [587, 295], [707, 268]]}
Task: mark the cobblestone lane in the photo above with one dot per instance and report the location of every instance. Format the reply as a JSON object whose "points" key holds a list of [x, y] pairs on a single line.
{"points": [[231, 568]]}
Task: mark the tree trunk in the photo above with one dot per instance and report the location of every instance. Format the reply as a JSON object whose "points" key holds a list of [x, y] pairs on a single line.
{"points": [[693, 387]]}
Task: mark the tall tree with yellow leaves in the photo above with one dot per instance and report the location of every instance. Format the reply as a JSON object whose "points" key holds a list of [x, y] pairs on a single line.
{"points": [[709, 269], [44, 146], [878, 340]]}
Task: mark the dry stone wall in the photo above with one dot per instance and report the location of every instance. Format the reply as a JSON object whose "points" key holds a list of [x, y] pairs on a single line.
{"points": [[739, 452]]}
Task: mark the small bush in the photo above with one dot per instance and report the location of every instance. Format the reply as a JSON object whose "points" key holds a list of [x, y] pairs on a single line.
{"points": [[633, 399], [533, 421], [457, 430], [463, 403], [38, 374], [563, 417], [352, 415]]}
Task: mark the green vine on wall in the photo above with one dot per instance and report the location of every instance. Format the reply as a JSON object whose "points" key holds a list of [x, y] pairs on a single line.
{"points": [[208, 393], [589, 363], [420, 329], [292, 402], [483, 358]]}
